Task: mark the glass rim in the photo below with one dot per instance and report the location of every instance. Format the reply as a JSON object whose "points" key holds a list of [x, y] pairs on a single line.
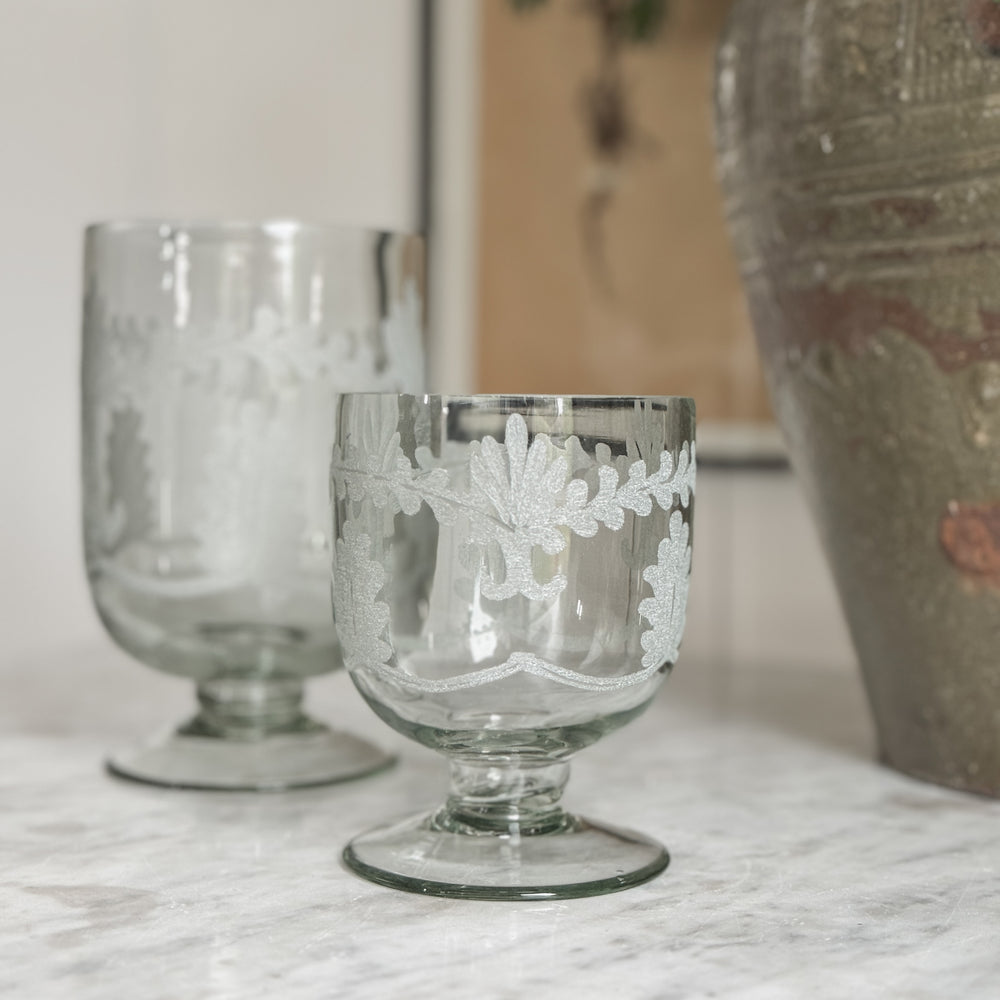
{"points": [[519, 398], [277, 228]]}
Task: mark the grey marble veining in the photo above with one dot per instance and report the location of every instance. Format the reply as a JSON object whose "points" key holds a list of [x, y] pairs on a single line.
{"points": [[799, 867]]}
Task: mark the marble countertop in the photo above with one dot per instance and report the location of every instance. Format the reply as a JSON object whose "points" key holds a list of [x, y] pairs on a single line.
{"points": [[800, 868]]}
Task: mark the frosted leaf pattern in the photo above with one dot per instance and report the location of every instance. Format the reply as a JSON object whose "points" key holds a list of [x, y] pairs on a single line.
{"points": [[665, 610], [515, 498], [262, 393]]}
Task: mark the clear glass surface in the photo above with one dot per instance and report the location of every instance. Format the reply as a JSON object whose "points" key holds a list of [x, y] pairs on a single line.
{"points": [[212, 354], [510, 580]]}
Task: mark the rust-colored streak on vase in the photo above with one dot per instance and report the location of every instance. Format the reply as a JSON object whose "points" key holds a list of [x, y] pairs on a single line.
{"points": [[970, 535]]}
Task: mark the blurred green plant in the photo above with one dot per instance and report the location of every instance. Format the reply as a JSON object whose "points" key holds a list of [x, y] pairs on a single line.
{"points": [[630, 20], [611, 131]]}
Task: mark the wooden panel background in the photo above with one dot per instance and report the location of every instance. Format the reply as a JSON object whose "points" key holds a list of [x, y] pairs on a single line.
{"points": [[666, 314]]}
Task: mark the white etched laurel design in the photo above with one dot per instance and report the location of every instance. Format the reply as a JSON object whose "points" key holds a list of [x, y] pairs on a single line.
{"points": [[518, 497], [666, 609], [286, 356], [516, 663], [357, 579]]}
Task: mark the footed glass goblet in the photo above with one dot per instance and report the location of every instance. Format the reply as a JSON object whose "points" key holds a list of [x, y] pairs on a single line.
{"points": [[211, 358], [510, 580]]}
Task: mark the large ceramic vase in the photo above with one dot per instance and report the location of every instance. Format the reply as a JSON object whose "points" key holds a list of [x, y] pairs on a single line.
{"points": [[859, 144]]}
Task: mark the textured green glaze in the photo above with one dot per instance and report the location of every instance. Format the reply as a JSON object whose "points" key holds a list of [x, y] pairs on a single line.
{"points": [[860, 152], [883, 447]]}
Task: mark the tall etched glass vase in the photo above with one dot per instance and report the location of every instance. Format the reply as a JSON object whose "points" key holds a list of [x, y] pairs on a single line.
{"points": [[212, 355]]}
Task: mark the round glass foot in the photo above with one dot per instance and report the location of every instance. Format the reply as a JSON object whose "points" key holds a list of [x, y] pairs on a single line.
{"points": [[580, 858], [317, 756]]}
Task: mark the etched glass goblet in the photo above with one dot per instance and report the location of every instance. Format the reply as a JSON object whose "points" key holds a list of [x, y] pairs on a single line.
{"points": [[510, 580], [211, 358]]}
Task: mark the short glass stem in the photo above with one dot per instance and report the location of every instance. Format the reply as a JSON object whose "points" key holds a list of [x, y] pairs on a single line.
{"points": [[248, 708], [501, 796]]}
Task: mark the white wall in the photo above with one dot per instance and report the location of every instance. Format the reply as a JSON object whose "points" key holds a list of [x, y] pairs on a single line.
{"points": [[761, 591], [454, 195], [211, 108]]}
